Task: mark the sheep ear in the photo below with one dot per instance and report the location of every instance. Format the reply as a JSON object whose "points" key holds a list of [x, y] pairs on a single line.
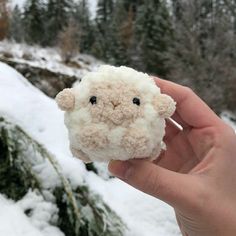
{"points": [[164, 105], [66, 100]]}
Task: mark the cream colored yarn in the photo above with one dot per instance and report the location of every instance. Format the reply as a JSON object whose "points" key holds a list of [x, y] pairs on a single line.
{"points": [[115, 113]]}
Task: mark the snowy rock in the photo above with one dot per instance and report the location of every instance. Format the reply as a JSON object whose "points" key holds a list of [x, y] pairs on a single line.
{"points": [[44, 68]]}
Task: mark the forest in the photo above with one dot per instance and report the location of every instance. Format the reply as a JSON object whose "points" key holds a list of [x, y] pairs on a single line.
{"points": [[190, 42]]}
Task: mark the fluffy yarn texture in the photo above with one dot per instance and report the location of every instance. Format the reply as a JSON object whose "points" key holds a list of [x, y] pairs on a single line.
{"points": [[115, 113]]}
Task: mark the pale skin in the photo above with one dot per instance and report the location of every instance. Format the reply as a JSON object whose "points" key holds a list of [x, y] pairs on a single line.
{"points": [[197, 173]]}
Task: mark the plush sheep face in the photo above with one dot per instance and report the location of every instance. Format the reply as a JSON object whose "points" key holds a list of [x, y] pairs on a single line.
{"points": [[115, 113], [116, 103]]}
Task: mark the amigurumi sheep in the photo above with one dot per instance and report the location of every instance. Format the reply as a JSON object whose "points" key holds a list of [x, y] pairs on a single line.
{"points": [[115, 113]]}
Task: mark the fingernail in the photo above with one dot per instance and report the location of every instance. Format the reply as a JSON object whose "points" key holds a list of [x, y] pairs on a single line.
{"points": [[119, 168]]}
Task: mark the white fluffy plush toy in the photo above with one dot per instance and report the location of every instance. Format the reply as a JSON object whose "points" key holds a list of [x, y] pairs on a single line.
{"points": [[115, 113]]}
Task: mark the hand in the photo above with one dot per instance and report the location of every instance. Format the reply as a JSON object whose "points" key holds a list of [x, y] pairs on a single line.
{"points": [[197, 173]]}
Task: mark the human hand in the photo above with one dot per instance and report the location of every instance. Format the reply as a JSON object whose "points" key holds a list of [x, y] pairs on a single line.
{"points": [[196, 175]]}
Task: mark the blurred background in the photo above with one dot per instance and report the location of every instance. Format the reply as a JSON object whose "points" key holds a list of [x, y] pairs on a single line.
{"points": [[189, 42], [48, 45]]}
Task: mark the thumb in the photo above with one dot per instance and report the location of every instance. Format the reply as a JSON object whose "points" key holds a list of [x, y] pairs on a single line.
{"points": [[179, 190]]}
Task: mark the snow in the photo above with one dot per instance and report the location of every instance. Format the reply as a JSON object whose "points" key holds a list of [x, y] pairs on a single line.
{"points": [[15, 223], [38, 114], [145, 215], [48, 58], [41, 213]]}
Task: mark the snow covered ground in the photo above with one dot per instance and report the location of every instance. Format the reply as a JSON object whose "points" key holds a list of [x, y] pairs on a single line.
{"points": [[47, 58], [38, 114], [14, 222]]}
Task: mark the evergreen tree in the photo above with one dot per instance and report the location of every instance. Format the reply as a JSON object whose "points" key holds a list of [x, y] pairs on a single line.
{"points": [[118, 36], [105, 10], [114, 31], [57, 16], [85, 26], [198, 58], [16, 31], [34, 27], [132, 5], [103, 21], [153, 35], [177, 10]]}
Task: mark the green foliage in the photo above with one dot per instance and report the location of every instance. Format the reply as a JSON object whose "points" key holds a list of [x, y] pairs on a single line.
{"points": [[56, 17], [116, 53], [104, 34], [176, 39], [96, 216], [134, 33], [43, 21], [105, 10], [33, 21], [16, 31], [153, 34], [110, 45], [81, 212], [85, 26], [16, 177], [91, 167]]}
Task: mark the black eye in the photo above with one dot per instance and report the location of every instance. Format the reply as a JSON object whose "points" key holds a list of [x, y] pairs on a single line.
{"points": [[93, 100], [136, 101]]}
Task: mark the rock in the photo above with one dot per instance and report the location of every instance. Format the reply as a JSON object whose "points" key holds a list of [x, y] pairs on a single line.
{"points": [[47, 81]]}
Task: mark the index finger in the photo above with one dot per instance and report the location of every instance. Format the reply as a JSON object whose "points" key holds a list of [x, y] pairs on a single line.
{"points": [[190, 108]]}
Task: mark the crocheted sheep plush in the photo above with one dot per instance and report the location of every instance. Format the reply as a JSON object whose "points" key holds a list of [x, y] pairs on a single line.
{"points": [[115, 113]]}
